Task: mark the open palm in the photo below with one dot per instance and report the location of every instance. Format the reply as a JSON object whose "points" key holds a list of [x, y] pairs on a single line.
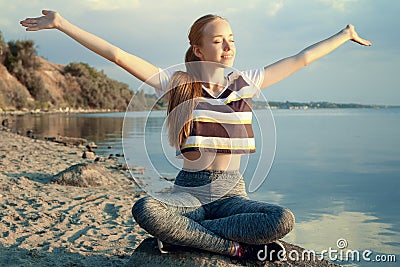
{"points": [[48, 21], [355, 38]]}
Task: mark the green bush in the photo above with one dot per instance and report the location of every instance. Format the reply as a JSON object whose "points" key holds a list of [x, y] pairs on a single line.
{"points": [[21, 62], [3, 49], [97, 90]]}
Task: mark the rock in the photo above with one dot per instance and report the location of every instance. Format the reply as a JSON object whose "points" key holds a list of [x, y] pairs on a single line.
{"points": [[91, 146], [88, 155], [100, 159], [147, 254], [50, 139], [5, 123], [84, 175], [133, 169], [123, 167], [137, 169], [31, 134], [70, 140]]}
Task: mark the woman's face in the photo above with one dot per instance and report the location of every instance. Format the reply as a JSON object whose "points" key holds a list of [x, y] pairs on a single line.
{"points": [[217, 44]]}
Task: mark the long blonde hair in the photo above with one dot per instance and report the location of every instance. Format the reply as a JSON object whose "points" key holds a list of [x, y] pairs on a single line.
{"points": [[186, 87]]}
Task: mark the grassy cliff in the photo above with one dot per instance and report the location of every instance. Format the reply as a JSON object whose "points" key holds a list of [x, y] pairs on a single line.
{"points": [[28, 81]]}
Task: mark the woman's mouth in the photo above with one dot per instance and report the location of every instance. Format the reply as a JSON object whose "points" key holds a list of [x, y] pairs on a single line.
{"points": [[227, 56]]}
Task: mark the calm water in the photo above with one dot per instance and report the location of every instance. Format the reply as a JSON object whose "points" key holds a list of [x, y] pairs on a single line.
{"points": [[337, 170]]}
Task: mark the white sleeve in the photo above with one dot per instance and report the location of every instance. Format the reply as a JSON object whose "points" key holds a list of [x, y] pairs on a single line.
{"points": [[256, 76], [165, 77]]}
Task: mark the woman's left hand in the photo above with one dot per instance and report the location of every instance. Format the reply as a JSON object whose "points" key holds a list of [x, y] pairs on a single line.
{"points": [[354, 36]]}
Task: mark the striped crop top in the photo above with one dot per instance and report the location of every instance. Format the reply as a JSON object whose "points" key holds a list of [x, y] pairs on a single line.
{"points": [[223, 123]]}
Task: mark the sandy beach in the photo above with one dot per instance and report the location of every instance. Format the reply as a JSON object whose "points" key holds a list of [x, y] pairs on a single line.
{"points": [[47, 224]]}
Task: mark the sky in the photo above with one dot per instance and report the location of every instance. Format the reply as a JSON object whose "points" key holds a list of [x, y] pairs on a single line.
{"points": [[265, 32]]}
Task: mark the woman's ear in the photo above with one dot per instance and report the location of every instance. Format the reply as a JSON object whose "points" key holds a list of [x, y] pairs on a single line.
{"points": [[197, 51]]}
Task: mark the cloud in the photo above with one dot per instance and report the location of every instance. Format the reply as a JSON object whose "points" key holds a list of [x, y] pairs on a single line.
{"points": [[112, 5], [340, 5], [274, 8]]}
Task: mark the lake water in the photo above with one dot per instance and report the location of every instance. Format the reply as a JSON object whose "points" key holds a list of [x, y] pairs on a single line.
{"points": [[338, 170]]}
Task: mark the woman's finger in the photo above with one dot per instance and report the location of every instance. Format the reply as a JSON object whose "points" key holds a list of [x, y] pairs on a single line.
{"points": [[363, 42]]}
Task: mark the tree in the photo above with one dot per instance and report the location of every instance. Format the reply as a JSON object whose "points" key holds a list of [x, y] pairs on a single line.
{"points": [[21, 62], [97, 90], [3, 49]]}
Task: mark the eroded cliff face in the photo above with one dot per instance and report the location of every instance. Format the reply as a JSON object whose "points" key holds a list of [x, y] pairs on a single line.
{"points": [[15, 96], [57, 82], [82, 88], [12, 93]]}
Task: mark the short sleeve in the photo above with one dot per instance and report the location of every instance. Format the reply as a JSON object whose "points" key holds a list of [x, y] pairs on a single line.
{"points": [[165, 77], [256, 76]]}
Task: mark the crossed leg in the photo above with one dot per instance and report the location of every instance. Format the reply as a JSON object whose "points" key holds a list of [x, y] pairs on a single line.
{"points": [[215, 226]]}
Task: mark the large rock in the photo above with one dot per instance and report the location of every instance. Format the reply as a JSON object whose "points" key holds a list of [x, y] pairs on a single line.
{"points": [[147, 254], [89, 155], [84, 175]]}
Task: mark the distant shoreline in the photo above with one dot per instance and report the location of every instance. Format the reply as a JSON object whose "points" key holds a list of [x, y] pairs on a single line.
{"points": [[56, 111], [315, 105], [256, 105]]}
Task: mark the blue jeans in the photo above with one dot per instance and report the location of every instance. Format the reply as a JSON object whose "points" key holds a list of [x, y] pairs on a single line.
{"points": [[210, 215]]}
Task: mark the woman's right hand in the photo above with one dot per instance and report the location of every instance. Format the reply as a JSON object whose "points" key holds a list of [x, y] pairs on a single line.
{"points": [[138, 67], [50, 20]]}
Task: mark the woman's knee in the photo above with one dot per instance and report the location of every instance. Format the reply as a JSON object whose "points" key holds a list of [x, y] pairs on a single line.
{"points": [[144, 209], [287, 221], [276, 225]]}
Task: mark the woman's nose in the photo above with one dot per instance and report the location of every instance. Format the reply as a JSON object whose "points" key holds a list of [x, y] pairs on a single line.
{"points": [[226, 46]]}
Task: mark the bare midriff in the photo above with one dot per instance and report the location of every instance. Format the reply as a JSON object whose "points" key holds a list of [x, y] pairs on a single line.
{"points": [[196, 160]]}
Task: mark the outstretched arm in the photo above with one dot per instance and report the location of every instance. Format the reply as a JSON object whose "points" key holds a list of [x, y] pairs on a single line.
{"points": [[287, 66], [138, 67]]}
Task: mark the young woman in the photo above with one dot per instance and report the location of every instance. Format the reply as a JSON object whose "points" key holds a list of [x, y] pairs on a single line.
{"points": [[209, 208]]}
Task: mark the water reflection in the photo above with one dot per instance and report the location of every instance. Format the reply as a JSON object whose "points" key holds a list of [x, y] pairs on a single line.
{"points": [[93, 128], [362, 231]]}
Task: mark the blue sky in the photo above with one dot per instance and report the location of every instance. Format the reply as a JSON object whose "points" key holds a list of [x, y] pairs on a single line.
{"points": [[265, 31]]}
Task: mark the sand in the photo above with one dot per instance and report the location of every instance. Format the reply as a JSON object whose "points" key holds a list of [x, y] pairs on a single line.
{"points": [[43, 223], [46, 224]]}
